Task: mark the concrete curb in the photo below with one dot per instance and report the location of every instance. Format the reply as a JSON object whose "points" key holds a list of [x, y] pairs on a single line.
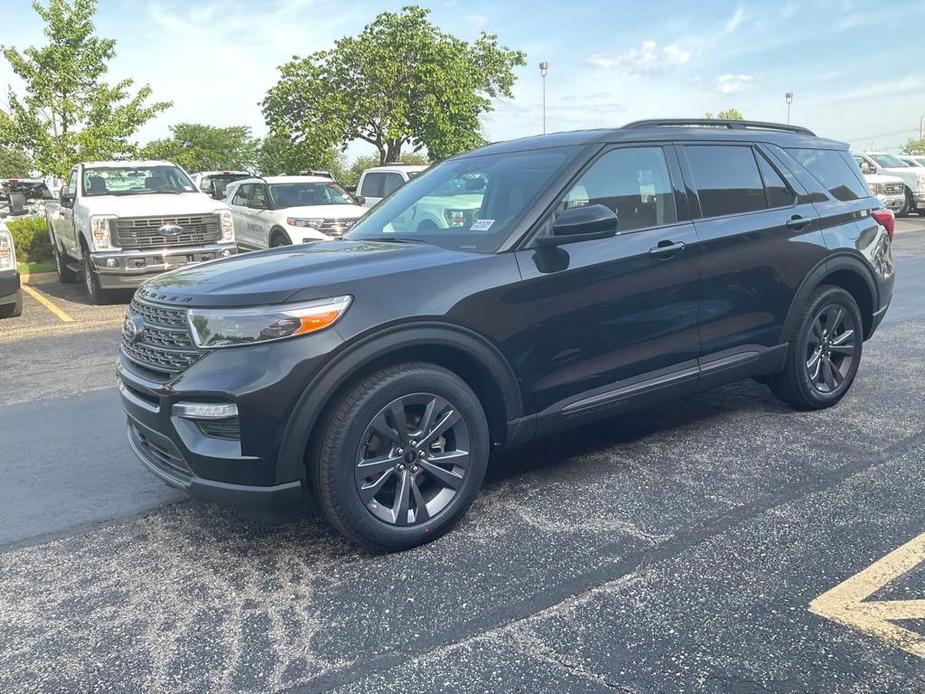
{"points": [[38, 278]]}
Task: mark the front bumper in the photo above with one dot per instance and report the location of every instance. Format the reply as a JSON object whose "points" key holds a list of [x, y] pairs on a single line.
{"points": [[9, 286], [129, 268], [919, 198], [892, 202]]}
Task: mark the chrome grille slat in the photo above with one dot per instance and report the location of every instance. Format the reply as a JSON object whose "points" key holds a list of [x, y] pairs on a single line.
{"points": [[336, 227], [165, 344], [142, 232]]}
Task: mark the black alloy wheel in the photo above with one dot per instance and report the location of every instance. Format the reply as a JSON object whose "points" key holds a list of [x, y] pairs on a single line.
{"points": [[830, 348]]}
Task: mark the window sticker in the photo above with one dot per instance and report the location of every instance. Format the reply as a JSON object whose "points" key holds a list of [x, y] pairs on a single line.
{"points": [[481, 225]]}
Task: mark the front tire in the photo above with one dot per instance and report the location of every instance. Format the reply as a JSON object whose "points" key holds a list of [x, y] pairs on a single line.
{"points": [[401, 457], [91, 282], [908, 205], [65, 274], [824, 351]]}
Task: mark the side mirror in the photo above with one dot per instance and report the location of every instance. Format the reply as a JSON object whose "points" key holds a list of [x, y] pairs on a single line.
{"points": [[360, 199], [581, 224], [67, 200]]}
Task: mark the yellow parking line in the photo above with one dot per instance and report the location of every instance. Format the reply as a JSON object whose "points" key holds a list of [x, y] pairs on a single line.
{"points": [[47, 303]]}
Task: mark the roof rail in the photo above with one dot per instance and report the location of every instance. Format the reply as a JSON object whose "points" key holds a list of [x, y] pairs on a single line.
{"points": [[719, 123]]}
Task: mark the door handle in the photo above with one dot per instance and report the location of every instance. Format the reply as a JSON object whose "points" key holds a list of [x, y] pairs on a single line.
{"points": [[797, 222], [666, 249]]}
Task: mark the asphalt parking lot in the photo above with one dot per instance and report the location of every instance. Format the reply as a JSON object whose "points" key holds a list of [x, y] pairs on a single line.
{"points": [[675, 549]]}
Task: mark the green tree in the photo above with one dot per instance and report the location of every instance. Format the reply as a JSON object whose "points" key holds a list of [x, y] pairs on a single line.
{"points": [[198, 147], [69, 112], [14, 163], [360, 164], [400, 82], [280, 155], [914, 147], [728, 114]]}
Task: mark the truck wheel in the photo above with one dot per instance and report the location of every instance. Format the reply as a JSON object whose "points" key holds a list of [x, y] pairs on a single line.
{"points": [[401, 457], [96, 295], [824, 351], [907, 205], [12, 310], [65, 274]]}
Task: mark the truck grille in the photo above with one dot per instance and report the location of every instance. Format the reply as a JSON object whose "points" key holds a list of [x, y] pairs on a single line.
{"points": [[164, 343], [145, 232], [336, 227], [893, 189]]}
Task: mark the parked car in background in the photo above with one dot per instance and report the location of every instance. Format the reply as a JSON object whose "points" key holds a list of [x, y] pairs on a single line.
{"points": [[282, 210], [10, 289], [118, 223], [913, 159], [381, 181], [887, 164], [215, 183], [890, 190], [23, 196], [606, 270]]}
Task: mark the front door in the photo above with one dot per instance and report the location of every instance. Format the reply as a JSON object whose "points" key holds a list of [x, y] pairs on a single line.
{"points": [[616, 317]]}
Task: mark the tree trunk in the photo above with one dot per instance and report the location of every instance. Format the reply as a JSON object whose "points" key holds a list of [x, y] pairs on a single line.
{"points": [[393, 152]]}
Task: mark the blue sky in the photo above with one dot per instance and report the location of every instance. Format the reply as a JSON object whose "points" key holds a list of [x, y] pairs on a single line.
{"points": [[858, 74]]}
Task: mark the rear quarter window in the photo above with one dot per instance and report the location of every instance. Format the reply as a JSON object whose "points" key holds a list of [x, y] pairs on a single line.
{"points": [[835, 170]]}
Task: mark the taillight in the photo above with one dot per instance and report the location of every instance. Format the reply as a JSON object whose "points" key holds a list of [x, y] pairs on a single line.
{"points": [[885, 219]]}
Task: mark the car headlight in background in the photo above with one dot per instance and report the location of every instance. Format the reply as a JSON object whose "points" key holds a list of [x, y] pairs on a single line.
{"points": [[7, 250], [242, 326], [455, 218], [99, 232], [875, 188], [300, 222], [227, 223]]}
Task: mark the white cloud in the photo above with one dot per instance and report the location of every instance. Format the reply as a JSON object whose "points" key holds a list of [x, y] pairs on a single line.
{"points": [[732, 84], [648, 59], [735, 21]]}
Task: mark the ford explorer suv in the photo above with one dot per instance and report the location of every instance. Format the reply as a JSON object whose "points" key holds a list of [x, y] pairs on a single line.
{"points": [[887, 164], [381, 181], [118, 223], [605, 270], [10, 290], [283, 210]]}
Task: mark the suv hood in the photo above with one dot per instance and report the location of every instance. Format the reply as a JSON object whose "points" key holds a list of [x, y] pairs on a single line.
{"points": [[880, 178], [325, 211], [304, 272], [151, 205]]}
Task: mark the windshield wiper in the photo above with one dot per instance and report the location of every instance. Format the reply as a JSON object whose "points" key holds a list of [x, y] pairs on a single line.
{"points": [[396, 239]]}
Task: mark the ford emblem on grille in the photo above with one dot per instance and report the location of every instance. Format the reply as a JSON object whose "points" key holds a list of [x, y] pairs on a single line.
{"points": [[133, 327], [170, 230]]}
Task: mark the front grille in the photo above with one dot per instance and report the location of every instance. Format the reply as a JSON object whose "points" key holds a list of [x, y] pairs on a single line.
{"points": [[336, 227], [892, 188], [164, 343], [144, 232]]}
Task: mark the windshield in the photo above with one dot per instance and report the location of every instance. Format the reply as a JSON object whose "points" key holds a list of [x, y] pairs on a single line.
{"points": [[889, 161], [217, 183], [307, 194], [136, 180], [470, 203]]}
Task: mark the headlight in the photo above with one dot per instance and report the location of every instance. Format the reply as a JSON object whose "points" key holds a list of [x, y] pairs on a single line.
{"points": [[7, 250], [875, 188], [99, 232], [300, 222], [243, 326], [227, 223], [455, 218]]}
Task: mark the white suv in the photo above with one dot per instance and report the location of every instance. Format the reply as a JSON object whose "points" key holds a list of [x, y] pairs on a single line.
{"points": [[282, 210], [381, 181], [887, 164]]}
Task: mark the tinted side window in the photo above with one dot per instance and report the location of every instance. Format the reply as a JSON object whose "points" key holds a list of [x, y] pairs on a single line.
{"points": [[72, 183], [833, 171], [779, 193], [393, 182], [727, 179], [258, 196], [633, 182], [372, 185]]}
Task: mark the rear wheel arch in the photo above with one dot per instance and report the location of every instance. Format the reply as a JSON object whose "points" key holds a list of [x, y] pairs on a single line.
{"points": [[845, 270], [456, 349]]}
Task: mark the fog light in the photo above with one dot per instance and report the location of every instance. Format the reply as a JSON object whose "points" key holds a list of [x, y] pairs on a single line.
{"points": [[204, 410], [112, 262]]}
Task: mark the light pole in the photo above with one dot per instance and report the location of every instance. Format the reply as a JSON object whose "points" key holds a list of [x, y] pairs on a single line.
{"points": [[544, 68], [788, 97]]}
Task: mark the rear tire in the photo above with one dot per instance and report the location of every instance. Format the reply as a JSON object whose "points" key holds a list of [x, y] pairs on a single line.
{"points": [[824, 351], [367, 469]]}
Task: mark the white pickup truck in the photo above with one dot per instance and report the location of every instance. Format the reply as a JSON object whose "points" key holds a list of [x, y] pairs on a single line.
{"points": [[117, 223], [886, 164]]}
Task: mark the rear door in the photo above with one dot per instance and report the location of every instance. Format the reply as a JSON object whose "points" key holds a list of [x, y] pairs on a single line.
{"points": [[759, 236]]}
